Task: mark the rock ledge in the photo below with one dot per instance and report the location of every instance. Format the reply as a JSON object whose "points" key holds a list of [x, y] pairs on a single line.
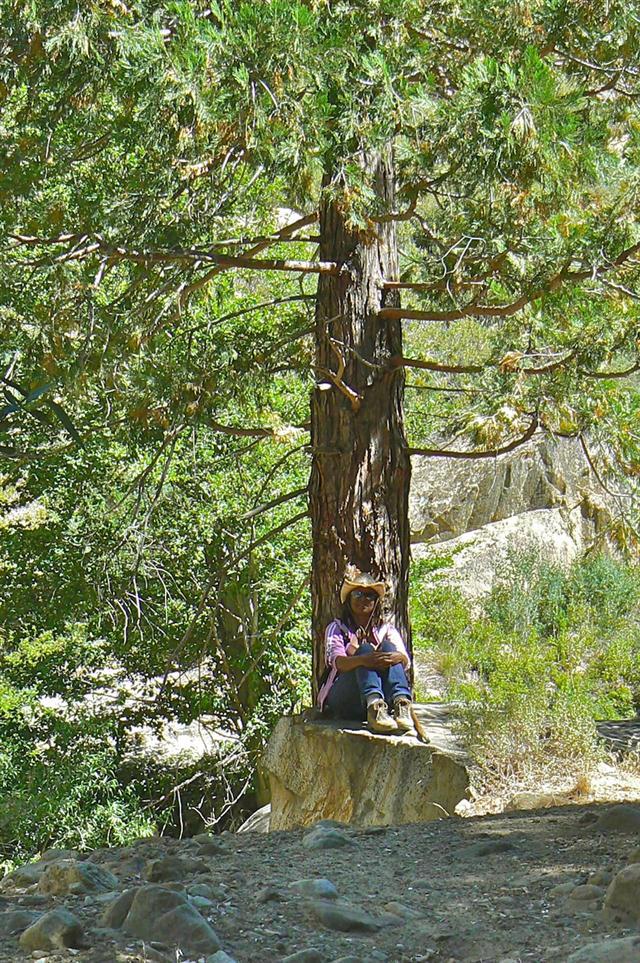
{"points": [[326, 769]]}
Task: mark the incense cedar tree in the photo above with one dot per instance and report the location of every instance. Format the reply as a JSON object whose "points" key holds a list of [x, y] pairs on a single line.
{"points": [[479, 159]]}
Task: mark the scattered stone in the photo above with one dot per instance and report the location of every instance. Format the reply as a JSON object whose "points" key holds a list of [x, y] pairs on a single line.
{"points": [[258, 822], [623, 894], [204, 838], [634, 855], [342, 916], [201, 902], [107, 897], [53, 855], [349, 959], [14, 921], [399, 909], [422, 884], [531, 800], [156, 955], [305, 956], [116, 913], [159, 913], [563, 889], [490, 847], [317, 888], [213, 847], [208, 891], [269, 894], [171, 868], [220, 957], [56, 930], [602, 876], [74, 876], [624, 818], [586, 892], [626, 950], [23, 876], [588, 819], [328, 824], [326, 839], [33, 899]]}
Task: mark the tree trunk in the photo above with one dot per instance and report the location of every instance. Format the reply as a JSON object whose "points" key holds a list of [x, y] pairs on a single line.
{"points": [[359, 486]]}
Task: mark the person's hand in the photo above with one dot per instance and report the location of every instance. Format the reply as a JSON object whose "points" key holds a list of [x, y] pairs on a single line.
{"points": [[382, 660]]}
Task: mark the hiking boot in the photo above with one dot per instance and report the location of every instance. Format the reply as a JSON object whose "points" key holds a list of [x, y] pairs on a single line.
{"points": [[402, 715], [378, 718]]}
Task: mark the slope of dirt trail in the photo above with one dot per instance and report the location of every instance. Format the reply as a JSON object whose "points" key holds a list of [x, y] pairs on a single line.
{"points": [[506, 887]]}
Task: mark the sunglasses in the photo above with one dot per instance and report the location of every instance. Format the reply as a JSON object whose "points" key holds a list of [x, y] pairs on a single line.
{"points": [[360, 594]]}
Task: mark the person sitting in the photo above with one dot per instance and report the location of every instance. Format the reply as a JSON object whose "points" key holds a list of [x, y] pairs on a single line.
{"points": [[366, 661]]}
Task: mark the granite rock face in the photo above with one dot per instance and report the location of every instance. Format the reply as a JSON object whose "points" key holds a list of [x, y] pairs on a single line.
{"points": [[477, 559], [542, 499], [333, 770], [451, 496]]}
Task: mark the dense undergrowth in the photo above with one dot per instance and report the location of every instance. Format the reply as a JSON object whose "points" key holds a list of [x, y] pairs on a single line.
{"points": [[550, 652]]}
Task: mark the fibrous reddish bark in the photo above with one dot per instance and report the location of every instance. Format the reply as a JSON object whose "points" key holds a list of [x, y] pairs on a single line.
{"points": [[359, 484]]}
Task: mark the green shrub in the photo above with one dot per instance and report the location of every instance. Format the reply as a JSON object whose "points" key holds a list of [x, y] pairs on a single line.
{"points": [[550, 652], [58, 781]]}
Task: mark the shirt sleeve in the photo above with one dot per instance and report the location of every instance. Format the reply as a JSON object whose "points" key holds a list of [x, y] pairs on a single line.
{"points": [[333, 644], [395, 638]]}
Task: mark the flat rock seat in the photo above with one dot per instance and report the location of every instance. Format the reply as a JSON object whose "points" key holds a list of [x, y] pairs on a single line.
{"points": [[332, 769]]}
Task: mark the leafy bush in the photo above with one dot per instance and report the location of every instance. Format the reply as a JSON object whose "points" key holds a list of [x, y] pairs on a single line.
{"points": [[550, 652], [58, 780]]}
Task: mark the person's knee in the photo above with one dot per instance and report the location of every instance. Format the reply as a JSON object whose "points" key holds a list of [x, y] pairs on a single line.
{"points": [[364, 648], [387, 646]]}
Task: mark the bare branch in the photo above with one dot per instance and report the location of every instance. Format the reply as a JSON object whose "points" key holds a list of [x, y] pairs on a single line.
{"points": [[337, 378], [592, 466], [265, 538], [286, 231], [399, 362], [398, 215], [484, 453], [261, 509], [507, 310], [447, 390], [254, 307], [611, 374]]}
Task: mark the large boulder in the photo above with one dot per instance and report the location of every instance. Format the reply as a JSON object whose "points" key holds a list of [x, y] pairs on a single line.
{"points": [[336, 770], [543, 499], [476, 559], [451, 496]]}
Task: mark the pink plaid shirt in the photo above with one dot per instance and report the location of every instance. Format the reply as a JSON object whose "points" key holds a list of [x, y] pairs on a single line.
{"points": [[335, 644]]}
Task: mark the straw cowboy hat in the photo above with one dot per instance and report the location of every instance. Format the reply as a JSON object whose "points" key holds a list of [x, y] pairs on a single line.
{"points": [[354, 579]]}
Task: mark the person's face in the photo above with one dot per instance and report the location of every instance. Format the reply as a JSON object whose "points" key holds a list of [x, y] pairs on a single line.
{"points": [[362, 603]]}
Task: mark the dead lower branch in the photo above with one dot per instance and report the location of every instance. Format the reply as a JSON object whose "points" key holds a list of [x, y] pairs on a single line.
{"points": [[483, 453], [336, 378], [261, 509], [474, 310]]}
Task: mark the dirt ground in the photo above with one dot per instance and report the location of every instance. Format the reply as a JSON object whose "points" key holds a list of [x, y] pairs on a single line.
{"points": [[473, 889]]}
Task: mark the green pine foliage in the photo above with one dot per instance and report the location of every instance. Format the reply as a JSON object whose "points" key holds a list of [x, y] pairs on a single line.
{"points": [[141, 141]]}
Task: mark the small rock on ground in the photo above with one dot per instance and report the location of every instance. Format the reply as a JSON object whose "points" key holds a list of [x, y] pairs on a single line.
{"points": [[342, 916], [623, 895], [624, 818], [56, 930], [318, 888], [626, 950]]}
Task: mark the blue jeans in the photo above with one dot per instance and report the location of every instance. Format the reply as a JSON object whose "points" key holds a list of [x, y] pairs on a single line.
{"points": [[352, 690]]}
